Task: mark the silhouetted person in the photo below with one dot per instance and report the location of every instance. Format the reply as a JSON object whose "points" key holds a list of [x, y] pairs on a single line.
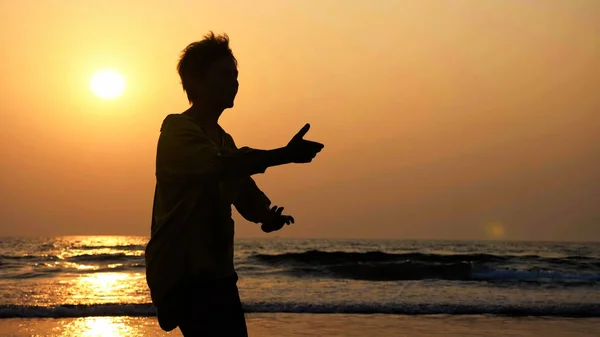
{"points": [[200, 173]]}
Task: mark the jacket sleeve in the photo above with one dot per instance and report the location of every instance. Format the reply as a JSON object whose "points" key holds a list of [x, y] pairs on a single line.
{"points": [[251, 202], [185, 152]]}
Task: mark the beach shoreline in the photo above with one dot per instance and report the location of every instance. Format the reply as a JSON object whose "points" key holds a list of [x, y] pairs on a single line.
{"points": [[336, 325]]}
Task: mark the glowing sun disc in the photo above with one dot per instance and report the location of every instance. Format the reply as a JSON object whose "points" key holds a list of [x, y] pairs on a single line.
{"points": [[107, 84]]}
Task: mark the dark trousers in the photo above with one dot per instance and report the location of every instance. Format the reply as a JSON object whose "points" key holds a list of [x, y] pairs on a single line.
{"points": [[213, 310]]}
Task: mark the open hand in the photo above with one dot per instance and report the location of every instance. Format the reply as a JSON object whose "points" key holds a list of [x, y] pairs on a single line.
{"points": [[302, 150], [275, 220]]}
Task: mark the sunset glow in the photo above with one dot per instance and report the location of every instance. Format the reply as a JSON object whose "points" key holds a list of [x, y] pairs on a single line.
{"points": [[437, 116]]}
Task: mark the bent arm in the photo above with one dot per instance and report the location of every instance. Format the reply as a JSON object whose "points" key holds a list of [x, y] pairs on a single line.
{"points": [[251, 202]]}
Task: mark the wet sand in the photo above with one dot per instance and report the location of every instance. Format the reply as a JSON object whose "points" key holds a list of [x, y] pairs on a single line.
{"points": [[266, 325]]}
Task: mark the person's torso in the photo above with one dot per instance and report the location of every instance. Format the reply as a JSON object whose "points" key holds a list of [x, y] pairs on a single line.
{"points": [[193, 219]]}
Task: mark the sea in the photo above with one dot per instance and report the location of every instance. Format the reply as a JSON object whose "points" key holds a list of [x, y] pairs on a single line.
{"points": [[83, 276]]}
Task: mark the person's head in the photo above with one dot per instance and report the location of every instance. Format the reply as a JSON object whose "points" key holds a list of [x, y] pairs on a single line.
{"points": [[208, 71]]}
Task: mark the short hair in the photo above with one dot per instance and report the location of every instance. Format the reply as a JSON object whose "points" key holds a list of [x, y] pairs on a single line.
{"points": [[198, 56]]}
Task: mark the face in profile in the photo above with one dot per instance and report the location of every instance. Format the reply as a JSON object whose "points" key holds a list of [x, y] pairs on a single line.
{"points": [[220, 83]]}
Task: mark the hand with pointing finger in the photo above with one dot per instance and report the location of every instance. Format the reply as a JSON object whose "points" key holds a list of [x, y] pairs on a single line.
{"points": [[302, 150]]}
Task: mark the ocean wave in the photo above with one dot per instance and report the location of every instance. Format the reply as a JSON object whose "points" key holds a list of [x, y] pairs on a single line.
{"points": [[29, 275], [146, 309], [116, 257], [451, 272], [28, 257], [380, 266], [116, 247], [111, 269], [75, 258], [404, 271], [336, 257], [41, 272], [328, 258]]}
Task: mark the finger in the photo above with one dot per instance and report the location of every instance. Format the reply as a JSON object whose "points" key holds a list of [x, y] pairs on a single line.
{"points": [[279, 210], [316, 145], [274, 208], [291, 218], [302, 131], [313, 143]]}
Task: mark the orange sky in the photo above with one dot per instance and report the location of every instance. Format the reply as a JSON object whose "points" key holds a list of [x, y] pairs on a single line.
{"points": [[442, 119]]}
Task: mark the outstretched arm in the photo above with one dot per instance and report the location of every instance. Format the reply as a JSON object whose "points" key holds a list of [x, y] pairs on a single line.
{"points": [[184, 151]]}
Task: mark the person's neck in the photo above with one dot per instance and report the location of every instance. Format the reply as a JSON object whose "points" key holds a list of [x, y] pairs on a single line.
{"points": [[206, 115]]}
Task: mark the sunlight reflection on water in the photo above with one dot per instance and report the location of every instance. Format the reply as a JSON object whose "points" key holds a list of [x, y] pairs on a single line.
{"points": [[95, 257], [106, 288], [103, 285], [98, 327]]}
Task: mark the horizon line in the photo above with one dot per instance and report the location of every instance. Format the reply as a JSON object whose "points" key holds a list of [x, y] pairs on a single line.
{"points": [[315, 238]]}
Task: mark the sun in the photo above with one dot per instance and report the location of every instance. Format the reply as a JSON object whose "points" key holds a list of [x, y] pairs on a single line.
{"points": [[107, 83]]}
